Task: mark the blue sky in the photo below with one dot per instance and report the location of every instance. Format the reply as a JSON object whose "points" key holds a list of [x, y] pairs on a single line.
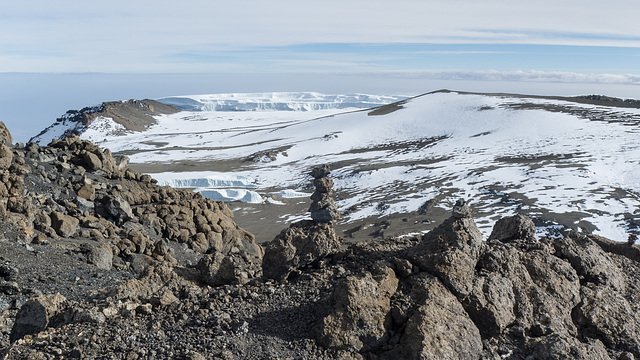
{"points": [[80, 51]]}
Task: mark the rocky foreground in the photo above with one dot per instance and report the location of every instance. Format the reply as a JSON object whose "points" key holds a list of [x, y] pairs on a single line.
{"points": [[98, 262]]}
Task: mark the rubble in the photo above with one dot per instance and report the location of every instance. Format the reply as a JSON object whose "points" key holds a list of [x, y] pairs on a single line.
{"points": [[98, 261]]}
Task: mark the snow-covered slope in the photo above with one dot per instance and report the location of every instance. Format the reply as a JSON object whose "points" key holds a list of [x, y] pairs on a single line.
{"points": [[109, 119], [560, 162]]}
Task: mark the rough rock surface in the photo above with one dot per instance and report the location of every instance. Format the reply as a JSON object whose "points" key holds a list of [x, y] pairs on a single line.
{"points": [[172, 276], [300, 245], [359, 312], [513, 228], [5, 135], [64, 225], [37, 314], [451, 250], [439, 328]]}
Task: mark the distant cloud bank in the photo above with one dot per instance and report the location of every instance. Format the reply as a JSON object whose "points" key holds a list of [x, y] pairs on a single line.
{"points": [[518, 76]]}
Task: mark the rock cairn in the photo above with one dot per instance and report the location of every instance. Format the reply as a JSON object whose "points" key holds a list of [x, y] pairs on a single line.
{"points": [[323, 208], [307, 241]]}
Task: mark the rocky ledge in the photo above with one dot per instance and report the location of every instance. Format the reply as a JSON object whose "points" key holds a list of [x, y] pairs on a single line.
{"points": [[97, 261]]}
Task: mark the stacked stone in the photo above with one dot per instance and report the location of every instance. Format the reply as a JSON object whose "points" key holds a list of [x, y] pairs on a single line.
{"points": [[323, 208], [461, 209]]}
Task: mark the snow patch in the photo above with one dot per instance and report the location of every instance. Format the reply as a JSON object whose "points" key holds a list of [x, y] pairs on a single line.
{"points": [[102, 127], [289, 193], [242, 195]]}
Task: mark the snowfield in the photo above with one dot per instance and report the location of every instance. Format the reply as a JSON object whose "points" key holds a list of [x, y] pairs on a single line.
{"points": [[559, 162]]}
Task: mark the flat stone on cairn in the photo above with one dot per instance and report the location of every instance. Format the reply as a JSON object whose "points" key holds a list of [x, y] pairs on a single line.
{"points": [[323, 208], [461, 209]]}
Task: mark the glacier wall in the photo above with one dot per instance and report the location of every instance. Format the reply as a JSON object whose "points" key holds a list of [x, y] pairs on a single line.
{"points": [[278, 101]]}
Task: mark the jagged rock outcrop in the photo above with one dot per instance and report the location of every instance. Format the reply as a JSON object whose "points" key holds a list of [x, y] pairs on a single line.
{"points": [[6, 157], [512, 296], [439, 328], [359, 309], [451, 250], [79, 190], [5, 135], [130, 115], [512, 228], [301, 244], [231, 268]]}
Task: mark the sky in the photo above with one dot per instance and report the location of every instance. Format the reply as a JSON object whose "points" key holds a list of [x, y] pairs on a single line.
{"points": [[68, 54]]}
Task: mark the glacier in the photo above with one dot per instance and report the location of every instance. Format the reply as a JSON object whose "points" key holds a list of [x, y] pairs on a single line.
{"points": [[277, 101]]}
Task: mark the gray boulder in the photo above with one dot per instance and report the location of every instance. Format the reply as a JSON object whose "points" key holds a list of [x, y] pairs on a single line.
{"points": [[513, 227], [101, 256], [64, 225], [223, 269], [37, 314], [359, 316], [302, 244], [119, 209]]}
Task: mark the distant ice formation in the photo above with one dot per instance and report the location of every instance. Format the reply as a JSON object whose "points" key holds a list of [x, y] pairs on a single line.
{"points": [[277, 101]]}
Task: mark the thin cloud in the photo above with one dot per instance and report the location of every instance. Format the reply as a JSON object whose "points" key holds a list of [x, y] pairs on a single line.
{"points": [[123, 35], [517, 76]]}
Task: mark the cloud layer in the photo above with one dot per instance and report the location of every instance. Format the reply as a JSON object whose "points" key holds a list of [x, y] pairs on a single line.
{"points": [[146, 36], [528, 76]]}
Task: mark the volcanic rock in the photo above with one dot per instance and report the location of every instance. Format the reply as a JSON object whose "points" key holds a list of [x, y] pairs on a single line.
{"points": [[64, 225], [300, 245], [155, 272], [5, 135], [451, 250], [101, 256], [323, 208], [359, 317], [512, 228], [219, 269], [439, 328], [38, 314], [6, 157]]}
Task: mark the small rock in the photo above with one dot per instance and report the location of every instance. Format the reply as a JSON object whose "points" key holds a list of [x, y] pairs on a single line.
{"points": [[92, 161], [87, 192], [461, 209], [64, 225], [92, 316], [512, 228], [101, 256], [8, 272], [320, 171]]}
